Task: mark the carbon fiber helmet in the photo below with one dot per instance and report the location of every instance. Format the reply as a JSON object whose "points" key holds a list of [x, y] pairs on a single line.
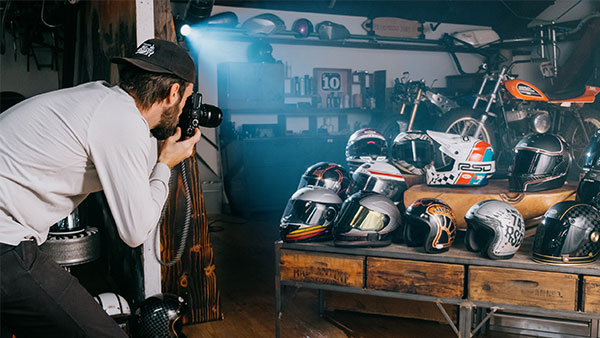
{"points": [[366, 219], [569, 234], [494, 228], [588, 190], [471, 161], [431, 224], [541, 162], [379, 177], [309, 215], [331, 176], [412, 151], [159, 316], [365, 145]]}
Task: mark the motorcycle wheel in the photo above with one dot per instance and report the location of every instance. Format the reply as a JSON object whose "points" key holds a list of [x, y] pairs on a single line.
{"points": [[576, 139], [456, 120]]}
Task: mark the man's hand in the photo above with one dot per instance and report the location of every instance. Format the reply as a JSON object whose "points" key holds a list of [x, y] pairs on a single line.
{"points": [[173, 152]]}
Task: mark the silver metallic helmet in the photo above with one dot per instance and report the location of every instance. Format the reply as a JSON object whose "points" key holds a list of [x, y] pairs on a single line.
{"points": [[309, 215], [365, 145], [366, 219], [379, 177], [412, 151], [495, 229]]}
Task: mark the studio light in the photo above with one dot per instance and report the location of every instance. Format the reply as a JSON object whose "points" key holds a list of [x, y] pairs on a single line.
{"points": [[185, 30]]}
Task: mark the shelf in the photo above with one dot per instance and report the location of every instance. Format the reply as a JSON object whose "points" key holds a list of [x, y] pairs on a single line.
{"points": [[309, 111]]}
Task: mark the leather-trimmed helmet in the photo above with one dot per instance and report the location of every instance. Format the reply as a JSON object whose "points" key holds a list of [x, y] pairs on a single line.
{"points": [[412, 151], [431, 224], [365, 145], [471, 161], [331, 176], [366, 219], [379, 177], [309, 215], [494, 228], [569, 234], [541, 162], [159, 316]]}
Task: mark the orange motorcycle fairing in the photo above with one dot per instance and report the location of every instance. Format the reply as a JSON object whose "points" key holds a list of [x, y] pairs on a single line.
{"points": [[587, 97], [524, 90]]}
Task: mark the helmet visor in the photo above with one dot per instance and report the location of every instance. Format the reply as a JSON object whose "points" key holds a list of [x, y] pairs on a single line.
{"points": [[308, 213], [358, 217], [527, 162], [369, 147], [416, 152]]}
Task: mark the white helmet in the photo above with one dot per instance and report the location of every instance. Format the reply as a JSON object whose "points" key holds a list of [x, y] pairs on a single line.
{"points": [[472, 161], [115, 306], [379, 177], [494, 228], [365, 145]]}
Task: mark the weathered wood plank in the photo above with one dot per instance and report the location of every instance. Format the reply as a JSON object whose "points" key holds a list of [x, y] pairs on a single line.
{"points": [[322, 268], [591, 294]]}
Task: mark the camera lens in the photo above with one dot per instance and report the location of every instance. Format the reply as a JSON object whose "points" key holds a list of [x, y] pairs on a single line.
{"points": [[210, 116]]}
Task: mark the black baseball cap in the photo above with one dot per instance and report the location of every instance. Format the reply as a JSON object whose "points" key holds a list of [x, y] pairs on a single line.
{"points": [[161, 56]]}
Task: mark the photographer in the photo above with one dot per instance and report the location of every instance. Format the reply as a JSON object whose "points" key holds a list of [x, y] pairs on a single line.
{"points": [[58, 147]]}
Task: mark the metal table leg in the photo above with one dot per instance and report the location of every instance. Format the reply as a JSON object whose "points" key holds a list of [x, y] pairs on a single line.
{"points": [[465, 320]]}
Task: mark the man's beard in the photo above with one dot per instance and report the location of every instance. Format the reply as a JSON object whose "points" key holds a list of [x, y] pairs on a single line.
{"points": [[168, 123]]}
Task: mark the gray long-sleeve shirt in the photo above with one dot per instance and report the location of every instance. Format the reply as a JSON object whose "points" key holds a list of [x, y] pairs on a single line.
{"points": [[58, 147]]}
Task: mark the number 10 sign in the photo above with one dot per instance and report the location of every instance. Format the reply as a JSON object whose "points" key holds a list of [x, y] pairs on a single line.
{"points": [[332, 82]]}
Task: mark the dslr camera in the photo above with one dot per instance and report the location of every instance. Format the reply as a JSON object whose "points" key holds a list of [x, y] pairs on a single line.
{"points": [[197, 114]]}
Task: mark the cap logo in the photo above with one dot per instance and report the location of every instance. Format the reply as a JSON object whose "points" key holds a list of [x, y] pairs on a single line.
{"points": [[146, 49]]}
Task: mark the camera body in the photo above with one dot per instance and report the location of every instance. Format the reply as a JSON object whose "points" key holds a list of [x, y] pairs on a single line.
{"points": [[197, 114]]}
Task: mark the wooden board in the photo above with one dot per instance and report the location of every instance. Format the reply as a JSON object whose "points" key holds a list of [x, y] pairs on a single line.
{"points": [[405, 308], [591, 294], [460, 199], [332, 269], [550, 290], [422, 278]]}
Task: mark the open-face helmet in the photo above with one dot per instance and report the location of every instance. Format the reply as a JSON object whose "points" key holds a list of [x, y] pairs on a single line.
{"points": [[412, 151], [379, 177], [309, 215], [469, 161], [540, 162], [366, 219], [115, 306], [159, 316], [365, 145], [431, 224], [331, 176], [569, 234], [494, 228], [588, 190]]}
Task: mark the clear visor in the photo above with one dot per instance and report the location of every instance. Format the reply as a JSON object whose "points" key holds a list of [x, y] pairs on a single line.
{"points": [[416, 152], [325, 183], [358, 217], [308, 213], [528, 162], [390, 188]]}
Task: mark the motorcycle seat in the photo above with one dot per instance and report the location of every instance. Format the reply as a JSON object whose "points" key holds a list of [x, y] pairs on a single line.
{"points": [[566, 93]]}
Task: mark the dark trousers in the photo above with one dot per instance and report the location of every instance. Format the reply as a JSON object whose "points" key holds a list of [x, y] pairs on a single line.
{"points": [[41, 299]]}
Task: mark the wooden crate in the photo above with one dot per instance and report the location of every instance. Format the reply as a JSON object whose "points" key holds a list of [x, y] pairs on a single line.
{"points": [[321, 268], [405, 308], [551, 290], [421, 278], [591, 294]]}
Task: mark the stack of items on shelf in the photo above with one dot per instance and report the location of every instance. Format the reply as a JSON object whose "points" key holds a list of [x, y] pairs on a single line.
{"points": [[364, 206]]}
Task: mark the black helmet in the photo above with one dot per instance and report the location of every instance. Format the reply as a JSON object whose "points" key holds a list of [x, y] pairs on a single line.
{"points": [[302, 28], [379, 177], [592, 155], [366, 219], [159, 316], [540, 162], [309, 215], [494, 228], [430, 223], [412, 151], [588, 190], [331, 176], [365, 145], [569, 234]]}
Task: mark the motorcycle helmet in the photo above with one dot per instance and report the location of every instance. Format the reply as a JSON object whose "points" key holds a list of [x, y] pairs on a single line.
{"points": [[159, 316], [115, 306], [365, 145], [494, 228], [470, 161], [431, 224], [302, 28], [592, 155], [540, 162], [588, 190], [328, 30], [569, 234], [366, 219], [331, 176], [412, 151], [379, 177], [309, 215], [266, 23]]}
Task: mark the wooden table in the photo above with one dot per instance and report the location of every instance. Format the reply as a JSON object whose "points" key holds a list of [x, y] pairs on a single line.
{"points": [[456, 277]]}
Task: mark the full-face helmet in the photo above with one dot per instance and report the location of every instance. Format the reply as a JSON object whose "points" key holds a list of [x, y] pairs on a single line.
{"points": [[469, 161], [541, 162], [412, 151], [494, 228], [379, 177], [588, 190], [365, 145], [592, 155], [309, 215], [569, 234], [159, 316], [431, 224], [331, 176], [366, 219]]}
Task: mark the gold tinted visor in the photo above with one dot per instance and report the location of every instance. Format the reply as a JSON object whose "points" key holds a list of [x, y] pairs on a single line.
{"points": [[369, 220]]}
